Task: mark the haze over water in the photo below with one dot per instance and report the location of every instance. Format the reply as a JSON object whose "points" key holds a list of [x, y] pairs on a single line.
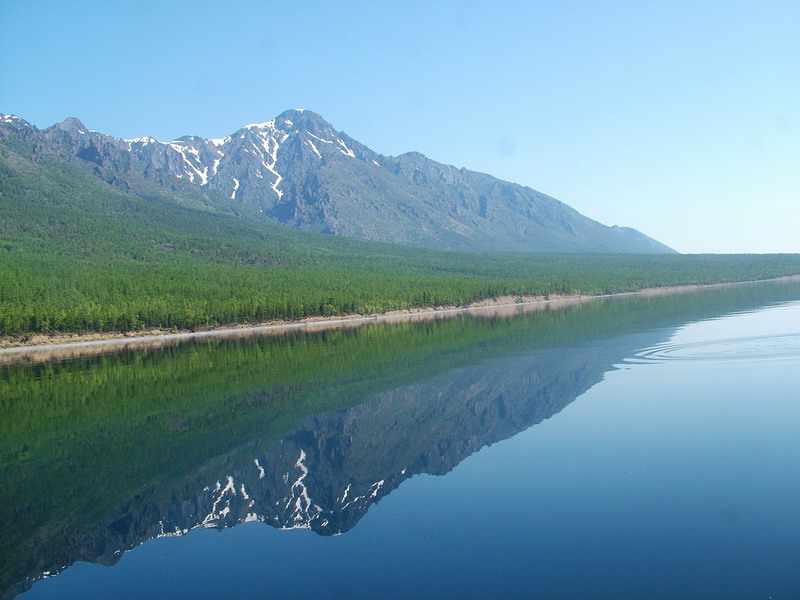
{"points": [[626, 448]]}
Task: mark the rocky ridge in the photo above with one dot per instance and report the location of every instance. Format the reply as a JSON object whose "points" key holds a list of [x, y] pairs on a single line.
{"points": [[299, 170]]}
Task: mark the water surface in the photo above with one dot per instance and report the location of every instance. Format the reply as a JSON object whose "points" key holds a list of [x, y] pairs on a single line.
{"points": [[621, 448]]}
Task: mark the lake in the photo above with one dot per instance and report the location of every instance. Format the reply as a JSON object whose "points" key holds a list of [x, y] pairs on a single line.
{"points": [[629, 447]]}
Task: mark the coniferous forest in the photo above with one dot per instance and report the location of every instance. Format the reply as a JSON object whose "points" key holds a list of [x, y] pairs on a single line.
{"points": [[88, 251]]}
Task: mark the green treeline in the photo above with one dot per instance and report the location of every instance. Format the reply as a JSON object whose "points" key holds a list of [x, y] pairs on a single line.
{"points": [[51, 294], [82, 251]]}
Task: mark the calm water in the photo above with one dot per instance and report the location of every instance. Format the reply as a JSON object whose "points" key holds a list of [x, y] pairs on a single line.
{"points": [[634, 448]]}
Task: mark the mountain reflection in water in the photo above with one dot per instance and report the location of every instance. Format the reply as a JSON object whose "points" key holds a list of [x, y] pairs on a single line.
{"points": [[309, 430]]}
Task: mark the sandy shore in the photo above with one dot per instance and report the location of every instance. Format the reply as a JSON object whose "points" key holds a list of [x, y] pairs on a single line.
{"points": [[64, 344], [47, 347]]}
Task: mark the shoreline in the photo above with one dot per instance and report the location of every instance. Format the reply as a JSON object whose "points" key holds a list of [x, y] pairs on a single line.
{"points": [[48, 346]]}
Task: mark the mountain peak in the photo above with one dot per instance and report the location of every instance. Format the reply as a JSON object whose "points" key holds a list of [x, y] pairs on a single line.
{"points": [[71, 125], [300, 118], [4, 118], [14, 123], [295, 118], [299, 114]]}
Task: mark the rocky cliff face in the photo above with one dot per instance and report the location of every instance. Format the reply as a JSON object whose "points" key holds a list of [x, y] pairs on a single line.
{"points": [[300, 171]]}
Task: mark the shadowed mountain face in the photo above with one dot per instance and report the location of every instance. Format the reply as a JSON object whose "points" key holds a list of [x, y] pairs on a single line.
{"points": [[297, 169], [101, 454]]}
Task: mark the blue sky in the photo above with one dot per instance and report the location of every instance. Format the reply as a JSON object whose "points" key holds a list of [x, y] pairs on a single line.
{"points": [[681, 119]]}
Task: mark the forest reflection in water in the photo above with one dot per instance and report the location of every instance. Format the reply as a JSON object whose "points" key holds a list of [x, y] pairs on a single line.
{"points": [[301, 431]]}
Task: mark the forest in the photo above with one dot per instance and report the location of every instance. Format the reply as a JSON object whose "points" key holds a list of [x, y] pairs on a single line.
{"points": [[84, 251]]}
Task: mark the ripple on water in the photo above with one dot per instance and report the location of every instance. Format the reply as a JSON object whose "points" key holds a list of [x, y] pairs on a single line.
{"points": [[771, 347]]}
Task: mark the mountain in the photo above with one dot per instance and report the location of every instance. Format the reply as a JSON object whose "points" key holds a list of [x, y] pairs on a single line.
{"points": [[84, 247], [298, 170]]}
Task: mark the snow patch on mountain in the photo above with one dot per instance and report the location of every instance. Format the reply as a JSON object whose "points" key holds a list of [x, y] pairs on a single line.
{"points": [[319, 138], [346, 151], [313, 147], [144, 140], [271, 139]]}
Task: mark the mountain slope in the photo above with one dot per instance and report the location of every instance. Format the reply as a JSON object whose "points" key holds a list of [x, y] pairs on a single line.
{"points": [[99, 250], [297, 169]]}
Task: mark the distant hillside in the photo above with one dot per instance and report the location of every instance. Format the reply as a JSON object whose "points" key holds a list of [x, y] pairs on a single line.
{"points": [[298, 170], [99, 250]]}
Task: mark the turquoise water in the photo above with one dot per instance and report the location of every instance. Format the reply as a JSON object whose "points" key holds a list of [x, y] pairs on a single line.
{"points": [[626, 449]]}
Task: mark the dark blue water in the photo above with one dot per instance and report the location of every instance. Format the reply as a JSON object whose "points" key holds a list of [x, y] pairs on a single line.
{"points": [[661, 463]]}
